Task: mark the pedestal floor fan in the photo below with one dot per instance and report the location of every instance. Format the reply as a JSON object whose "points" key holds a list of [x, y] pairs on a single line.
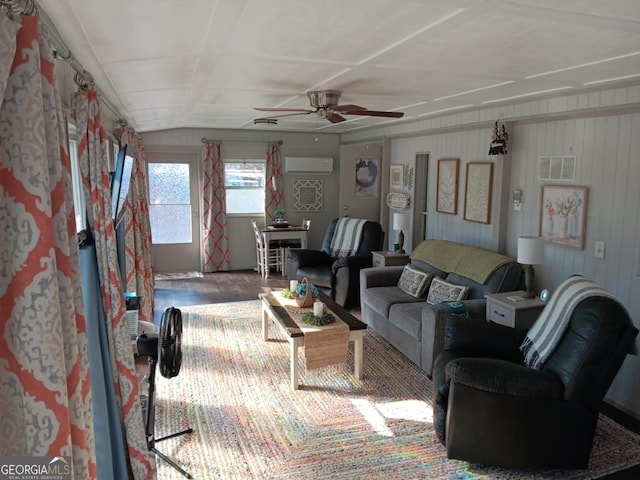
{"points": [[163, 349]]}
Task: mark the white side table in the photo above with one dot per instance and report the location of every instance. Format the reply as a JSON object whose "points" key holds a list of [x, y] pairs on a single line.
{"points": [[512, 310], [387, 259]]}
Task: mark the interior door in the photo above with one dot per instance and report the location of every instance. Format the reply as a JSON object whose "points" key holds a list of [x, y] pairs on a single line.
{"points": [[421, 198], [360, 181], [174, 211]]}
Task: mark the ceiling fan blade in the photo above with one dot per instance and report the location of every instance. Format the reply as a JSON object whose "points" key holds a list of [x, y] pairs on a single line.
{"points": [[335, 118], [344, 108], [299, 110], [375, 113]]}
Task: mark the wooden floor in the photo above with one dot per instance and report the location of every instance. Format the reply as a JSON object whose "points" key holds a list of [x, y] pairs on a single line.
{"points": [[219, 287], [246, 285]]}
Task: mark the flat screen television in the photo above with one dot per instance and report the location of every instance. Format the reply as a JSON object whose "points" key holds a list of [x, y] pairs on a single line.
{"points": [[120, 182]]}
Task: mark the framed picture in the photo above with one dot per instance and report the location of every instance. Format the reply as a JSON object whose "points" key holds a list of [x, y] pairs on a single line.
{"points": [[366, 177], [477, 199], [447, 185], [563, 217], [396, 176], [307, 195]]}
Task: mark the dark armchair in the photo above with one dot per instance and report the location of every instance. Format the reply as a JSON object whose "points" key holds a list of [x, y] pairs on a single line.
{"points": [[489, 408], [338, 276]]}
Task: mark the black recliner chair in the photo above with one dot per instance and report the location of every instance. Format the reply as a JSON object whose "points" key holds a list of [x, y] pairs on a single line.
{"points": [[338, 277], [489, 408]]}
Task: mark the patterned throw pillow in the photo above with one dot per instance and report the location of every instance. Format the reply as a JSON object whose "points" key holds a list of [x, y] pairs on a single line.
{"points": [[414, 282], [441, 291]]}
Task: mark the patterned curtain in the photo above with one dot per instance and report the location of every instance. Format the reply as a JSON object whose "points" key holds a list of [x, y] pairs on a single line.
{"points": [[215, 241], [273, 190], [95, 177], [44, 377], [137, 228]]}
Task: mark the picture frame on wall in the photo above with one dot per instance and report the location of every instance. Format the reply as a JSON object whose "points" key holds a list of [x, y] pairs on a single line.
{"points": [[308, 195], [563, 214], [396, 176], [447, 186], [478, 191], [366, 177]]}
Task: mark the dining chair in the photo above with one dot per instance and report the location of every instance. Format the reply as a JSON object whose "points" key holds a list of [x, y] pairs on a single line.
{"points": [[267, 256]]}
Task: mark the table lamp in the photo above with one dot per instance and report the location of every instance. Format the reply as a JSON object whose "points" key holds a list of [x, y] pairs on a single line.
{"points": [[401, 222], [530, 252]]}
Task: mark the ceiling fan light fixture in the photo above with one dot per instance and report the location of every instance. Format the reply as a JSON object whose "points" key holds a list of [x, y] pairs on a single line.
{"points": [[324, 98], [265, 121]]}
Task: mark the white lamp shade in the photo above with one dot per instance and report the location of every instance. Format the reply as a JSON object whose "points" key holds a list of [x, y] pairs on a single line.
{"points": [[530, 250], [400, 221]]}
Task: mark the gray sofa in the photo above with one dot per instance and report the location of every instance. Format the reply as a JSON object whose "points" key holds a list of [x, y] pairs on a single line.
{"points": [[415, 327]]}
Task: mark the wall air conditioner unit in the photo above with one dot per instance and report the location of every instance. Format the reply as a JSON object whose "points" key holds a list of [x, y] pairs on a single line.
{"points": [[323, 165]]}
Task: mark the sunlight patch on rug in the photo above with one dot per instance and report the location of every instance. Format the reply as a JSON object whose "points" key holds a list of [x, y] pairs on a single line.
{"points": [[233, 390]]}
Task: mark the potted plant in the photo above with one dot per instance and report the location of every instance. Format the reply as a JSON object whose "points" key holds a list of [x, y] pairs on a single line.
{"points": [[278, 215]]}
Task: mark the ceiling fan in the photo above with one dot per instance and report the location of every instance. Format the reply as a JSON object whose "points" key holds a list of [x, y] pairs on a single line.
{"points": [[326, 107]]}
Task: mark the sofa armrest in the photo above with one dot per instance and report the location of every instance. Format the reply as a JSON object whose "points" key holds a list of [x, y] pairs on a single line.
{"points": [[504, 378], [346, 271], [473, 338], [434, 323], [356, 262], [303, 257], [380, 276]]}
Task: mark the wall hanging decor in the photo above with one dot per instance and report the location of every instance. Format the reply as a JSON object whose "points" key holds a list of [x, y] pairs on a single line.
{"points": [[499, 140], [307, 195], [563, 217], [408, 177], [396, 176], [367, 177], [398, 200], [477, 200], [447, 185]]}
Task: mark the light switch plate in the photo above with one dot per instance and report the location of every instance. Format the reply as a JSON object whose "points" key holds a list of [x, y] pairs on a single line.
{"points": [[599, 253]]}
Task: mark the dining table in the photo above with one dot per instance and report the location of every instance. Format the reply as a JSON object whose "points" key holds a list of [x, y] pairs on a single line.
{"points": [[289, 232]]}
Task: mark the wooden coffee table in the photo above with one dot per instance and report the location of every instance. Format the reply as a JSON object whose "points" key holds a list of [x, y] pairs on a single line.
{"points": [[272, 311]]}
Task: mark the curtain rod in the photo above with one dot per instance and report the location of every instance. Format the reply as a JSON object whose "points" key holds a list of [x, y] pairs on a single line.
{"points": [[83, 78], [274, 142]]}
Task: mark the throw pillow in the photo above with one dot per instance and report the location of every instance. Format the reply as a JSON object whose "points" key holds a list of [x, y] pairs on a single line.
{"points": [[414, 282], [441, 291]]}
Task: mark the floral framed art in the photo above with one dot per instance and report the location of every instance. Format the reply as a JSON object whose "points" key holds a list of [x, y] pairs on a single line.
{"points": [[447, 186], [477, 199], [563, 218], [396, 177]]}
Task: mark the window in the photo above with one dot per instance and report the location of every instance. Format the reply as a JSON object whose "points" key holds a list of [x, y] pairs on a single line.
{"points": [[244, 185], [79, 203], [170, 203]]}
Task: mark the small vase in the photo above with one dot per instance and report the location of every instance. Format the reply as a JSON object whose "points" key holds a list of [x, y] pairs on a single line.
{"points": [[550, 226], [573, 229], [563, 227]]}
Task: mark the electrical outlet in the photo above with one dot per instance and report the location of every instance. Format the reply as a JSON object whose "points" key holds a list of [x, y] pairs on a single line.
{"points": [[599, 253]]}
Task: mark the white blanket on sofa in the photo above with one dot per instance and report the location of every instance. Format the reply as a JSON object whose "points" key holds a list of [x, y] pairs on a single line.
{"points": [[346, 237], [547, 331]]}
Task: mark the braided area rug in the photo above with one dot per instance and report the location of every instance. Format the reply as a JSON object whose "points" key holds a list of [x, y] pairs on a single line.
{"points": [[233, 390]]}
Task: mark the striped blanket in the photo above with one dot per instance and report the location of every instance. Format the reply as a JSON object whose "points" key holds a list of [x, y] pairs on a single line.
{"points": [[346, 237], [545, 334]]}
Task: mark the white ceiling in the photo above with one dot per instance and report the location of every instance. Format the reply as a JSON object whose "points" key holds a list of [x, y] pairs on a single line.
{"points": [[206, 63]]}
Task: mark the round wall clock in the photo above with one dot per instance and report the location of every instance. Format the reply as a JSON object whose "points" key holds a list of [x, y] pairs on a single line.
{"points": [[544, 295]]}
